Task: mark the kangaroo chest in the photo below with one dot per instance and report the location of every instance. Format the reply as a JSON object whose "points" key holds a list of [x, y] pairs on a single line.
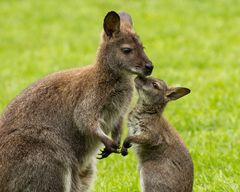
{"points": [[115, 106], [135, 123]]}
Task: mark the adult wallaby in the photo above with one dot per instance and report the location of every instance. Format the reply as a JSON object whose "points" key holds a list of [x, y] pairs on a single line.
{"points": [[50, 133], [164, 162]]}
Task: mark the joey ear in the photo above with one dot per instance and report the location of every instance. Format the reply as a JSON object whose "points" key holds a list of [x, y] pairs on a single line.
{"points": [[177, 92], [126, 18], [111, 23]]}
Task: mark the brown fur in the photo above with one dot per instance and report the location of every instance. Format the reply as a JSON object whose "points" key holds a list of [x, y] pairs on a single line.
{"points": [[165, 164], [50, 133]]}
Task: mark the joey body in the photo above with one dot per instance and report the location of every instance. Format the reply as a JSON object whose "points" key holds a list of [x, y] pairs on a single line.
{"points": [[164, 161], [51, 132]]}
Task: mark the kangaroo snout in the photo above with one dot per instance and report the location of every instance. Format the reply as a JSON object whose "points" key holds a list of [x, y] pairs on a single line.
{"points": [[148, 69]]}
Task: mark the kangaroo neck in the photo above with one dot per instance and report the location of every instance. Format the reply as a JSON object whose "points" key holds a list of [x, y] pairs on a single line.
{"points": [[144, 108]]}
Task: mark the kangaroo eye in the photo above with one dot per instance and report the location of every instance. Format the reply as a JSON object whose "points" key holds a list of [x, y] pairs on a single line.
{"points": [[155, 85], [126, 50]]}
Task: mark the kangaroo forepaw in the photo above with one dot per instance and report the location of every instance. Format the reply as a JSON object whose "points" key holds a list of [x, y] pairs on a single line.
{"points": [[106, 152]]}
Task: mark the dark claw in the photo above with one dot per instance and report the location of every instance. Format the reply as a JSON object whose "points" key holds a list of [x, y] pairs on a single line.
{"points": [[106, 152], [103, 155]]}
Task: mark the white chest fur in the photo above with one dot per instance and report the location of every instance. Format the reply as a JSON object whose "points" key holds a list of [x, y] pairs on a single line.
{"points": [[115, 108]]}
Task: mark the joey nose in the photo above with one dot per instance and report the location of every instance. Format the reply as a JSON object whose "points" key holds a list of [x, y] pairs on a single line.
{"points": [[148, 68]]}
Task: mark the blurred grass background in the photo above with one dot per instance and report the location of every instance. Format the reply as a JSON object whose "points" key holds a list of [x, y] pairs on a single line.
{"points": [[191, 43]]}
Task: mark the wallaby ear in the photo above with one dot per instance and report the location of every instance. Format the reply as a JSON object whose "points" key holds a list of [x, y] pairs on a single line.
{"points": [[177, 92], [126, 18], [111, 23]]}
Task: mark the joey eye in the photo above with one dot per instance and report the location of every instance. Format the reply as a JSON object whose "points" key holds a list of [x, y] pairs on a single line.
{"points": [[155, 85], [126, 50]]}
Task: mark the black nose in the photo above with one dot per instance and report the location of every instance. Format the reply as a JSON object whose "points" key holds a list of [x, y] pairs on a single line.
{"points": [[149, 68]]}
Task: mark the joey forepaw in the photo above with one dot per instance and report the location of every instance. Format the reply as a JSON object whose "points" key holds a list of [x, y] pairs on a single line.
{"points": [[127, 144], [124, 151]]}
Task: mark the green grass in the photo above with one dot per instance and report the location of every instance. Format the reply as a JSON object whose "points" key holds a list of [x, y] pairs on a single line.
{"points": [[192, 43]]}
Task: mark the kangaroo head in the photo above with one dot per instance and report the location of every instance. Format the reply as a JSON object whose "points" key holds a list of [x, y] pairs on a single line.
{"points": [[121, 48], [154, 91]]}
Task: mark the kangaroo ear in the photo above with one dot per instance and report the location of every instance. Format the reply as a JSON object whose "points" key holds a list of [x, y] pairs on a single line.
{"points": [[111, 23], [126, 18], [177, 92]]}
